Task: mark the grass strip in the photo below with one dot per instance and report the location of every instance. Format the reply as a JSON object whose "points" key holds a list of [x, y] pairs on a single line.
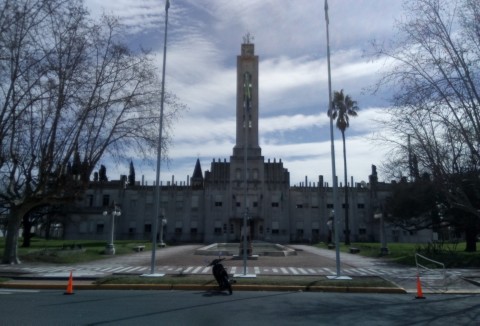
{"points": [[264, 280]]}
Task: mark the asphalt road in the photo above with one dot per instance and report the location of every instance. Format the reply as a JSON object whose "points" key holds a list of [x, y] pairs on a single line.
{"points": [[91, 307]]}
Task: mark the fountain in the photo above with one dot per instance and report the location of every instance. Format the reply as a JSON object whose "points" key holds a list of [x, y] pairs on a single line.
{"points": [[258, 249]]}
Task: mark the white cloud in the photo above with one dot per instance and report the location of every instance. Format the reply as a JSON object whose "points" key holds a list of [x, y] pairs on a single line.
{"points": [[204, 40]]}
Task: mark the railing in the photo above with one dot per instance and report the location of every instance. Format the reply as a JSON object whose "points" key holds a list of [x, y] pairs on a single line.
{"points": [[431, 271]]}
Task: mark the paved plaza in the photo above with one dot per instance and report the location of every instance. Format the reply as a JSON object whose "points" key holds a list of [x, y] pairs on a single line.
{"points": [[309, 261]]}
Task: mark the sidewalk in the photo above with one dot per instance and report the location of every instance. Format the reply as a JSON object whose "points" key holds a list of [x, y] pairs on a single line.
{"points": [[308, 259]]}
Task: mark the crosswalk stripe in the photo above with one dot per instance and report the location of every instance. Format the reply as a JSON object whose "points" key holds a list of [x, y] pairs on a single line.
{"points": [[124, 269], [366, 271], [328, 270], [114, 268], [294, 271], [197, 269]]}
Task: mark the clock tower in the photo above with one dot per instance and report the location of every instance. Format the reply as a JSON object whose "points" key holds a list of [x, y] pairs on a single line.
{"points": [[247, 102]]}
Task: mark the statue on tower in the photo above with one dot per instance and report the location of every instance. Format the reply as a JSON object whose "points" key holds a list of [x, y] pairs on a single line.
{"points": [[247, 38]]}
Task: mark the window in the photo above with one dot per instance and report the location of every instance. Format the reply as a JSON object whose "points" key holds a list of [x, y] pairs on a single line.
{"points": [[195, 203], [90, 200], [239, 204], [361, 206], [106, 200], [275, 204], [329, 205], [100, 228], [299, 206], [178, 227], [362, 231], [255, 204], [179, 203], [275, 228], [218, 201], [217, 230], [147, 228], [83, 228], [193, 227]]}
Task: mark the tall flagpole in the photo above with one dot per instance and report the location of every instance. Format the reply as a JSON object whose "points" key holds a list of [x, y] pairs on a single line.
{"points": [[159, 153], [336, 207]]}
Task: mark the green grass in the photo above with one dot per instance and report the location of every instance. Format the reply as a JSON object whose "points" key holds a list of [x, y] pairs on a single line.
{"points": [[70, 251], [452, 255], [305, 281]]}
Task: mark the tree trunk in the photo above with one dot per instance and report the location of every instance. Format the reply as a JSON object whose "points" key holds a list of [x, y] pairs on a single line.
{"points": [[10, 253], [345, 187], [48, 223], [27, 234], [471, 234]]}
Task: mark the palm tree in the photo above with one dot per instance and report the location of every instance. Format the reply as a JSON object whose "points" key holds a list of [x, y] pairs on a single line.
{"points": [[343, 107]]}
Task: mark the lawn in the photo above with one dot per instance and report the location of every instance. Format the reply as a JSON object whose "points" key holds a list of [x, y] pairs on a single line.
{"points": [[268, 280], [453, 255], [70, 251]]}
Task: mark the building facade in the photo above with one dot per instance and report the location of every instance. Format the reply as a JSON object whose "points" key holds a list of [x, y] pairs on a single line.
{"points": [[212, 206]]}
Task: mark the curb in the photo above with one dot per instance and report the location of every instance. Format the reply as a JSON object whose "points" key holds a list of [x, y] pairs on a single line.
{"points": [[198, 287]]}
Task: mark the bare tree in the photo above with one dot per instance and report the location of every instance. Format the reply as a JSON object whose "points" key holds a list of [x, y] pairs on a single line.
{"points": [[434, 74], [71, 93]]}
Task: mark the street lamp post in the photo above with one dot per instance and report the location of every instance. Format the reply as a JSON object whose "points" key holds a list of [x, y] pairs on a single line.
{"points": [[330, 225], [163, 222], [159, 152], [332, 150], [380, 214], [110, 248]]}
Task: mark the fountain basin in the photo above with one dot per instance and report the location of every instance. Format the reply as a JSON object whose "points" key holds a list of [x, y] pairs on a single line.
{"points": [[259, 248]]}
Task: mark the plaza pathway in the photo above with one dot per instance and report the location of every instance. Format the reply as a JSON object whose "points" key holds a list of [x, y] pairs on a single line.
{"points": [[309, 261]]}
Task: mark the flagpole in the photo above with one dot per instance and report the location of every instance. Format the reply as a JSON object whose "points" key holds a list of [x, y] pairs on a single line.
{"points": [[336, 207], [159, 155]]}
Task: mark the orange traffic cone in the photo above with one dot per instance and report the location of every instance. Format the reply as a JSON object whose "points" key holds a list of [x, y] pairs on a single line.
{"points": [[70, 285], [419, 289]]}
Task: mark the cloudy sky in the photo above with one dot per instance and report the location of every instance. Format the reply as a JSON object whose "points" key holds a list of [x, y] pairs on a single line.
{"points": [[204, 38]]}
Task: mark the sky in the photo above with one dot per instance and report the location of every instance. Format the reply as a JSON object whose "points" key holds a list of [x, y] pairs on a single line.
{"points": [[203, 41]]}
